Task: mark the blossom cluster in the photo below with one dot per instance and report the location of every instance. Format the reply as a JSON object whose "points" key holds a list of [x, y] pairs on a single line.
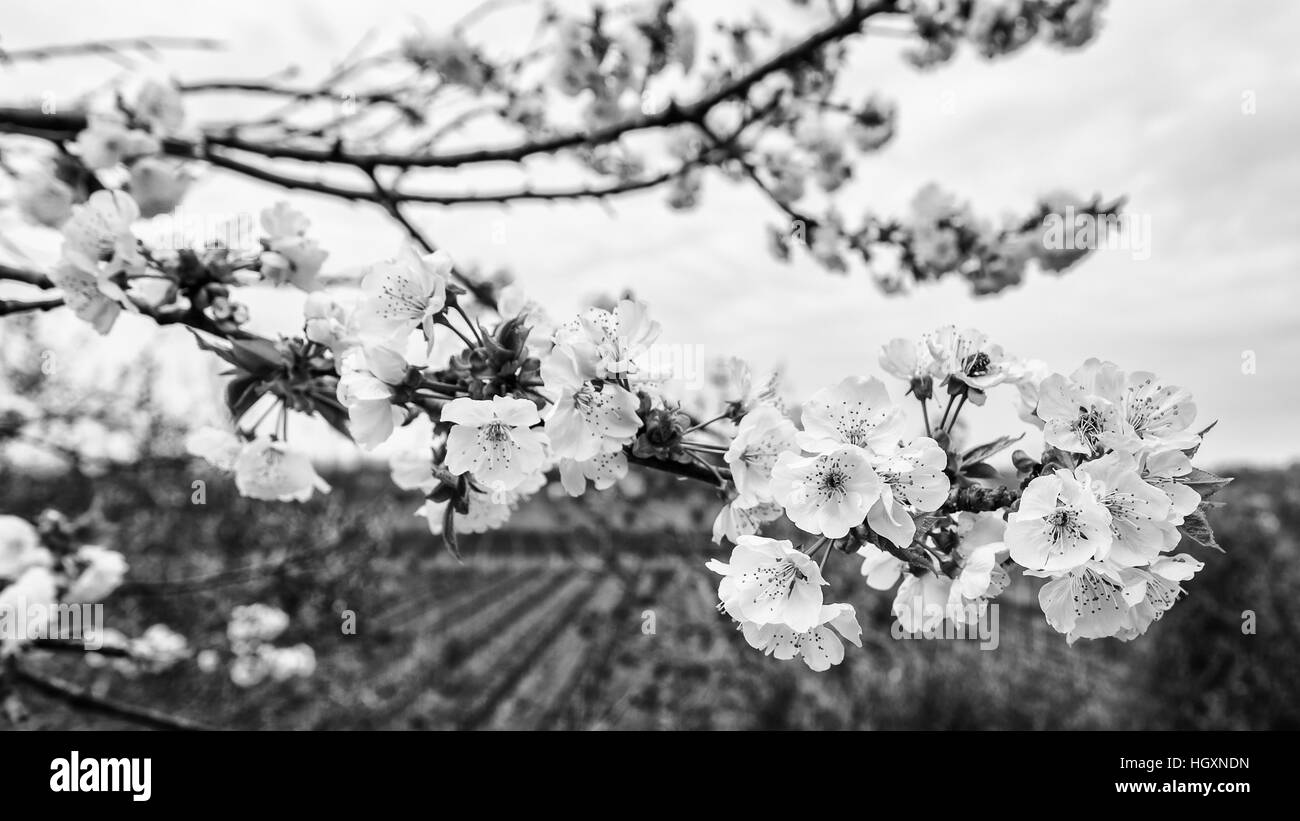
{"points": [[1100, 514], [43, 566], [510, 400], [251, 631]]}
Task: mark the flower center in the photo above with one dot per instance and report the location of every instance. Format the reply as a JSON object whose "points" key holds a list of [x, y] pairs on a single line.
{"points": [[1088, 424], [1063, 527], [496, 432], [977, 364], [833, 482], [585, 399]]}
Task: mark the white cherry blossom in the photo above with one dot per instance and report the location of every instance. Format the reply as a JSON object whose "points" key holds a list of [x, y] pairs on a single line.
{"points": [[980, 551], [103, 572], [735, 519], [1081, 412], [487, 510], [855, 412], [403, 294], [1163, 469], [762, 435], [1091, 600], [827, 493], [291, 256], [922, 602], [371, 373], [769, 582], [908, 359], [881, 569], [1060, 524], [20, 548], [911, 481], [618, 340], [968, 356], [1140, 523], [820, 647], [602, 470], [589, 415], [42, 197], [494, 440], [1156, 415], [1161, 589], [270, 470]]}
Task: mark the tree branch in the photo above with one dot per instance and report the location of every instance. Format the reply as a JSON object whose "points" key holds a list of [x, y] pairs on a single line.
{"points": [[851, 23], [30, 277], [526, 193], [689, 470], [80, 697], [109, 47], [18, 306], [482, 292]]}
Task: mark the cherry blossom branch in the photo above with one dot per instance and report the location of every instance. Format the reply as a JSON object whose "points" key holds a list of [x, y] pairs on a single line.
{"points": [[81, 697], [113, 47], [482, 292], [18, 306], [79, 647], [21, 275], [65, 127], [300, 94], [525, 193], [717, 477]]}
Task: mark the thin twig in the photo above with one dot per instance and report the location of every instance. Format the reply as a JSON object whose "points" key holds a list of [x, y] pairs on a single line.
{"points": [[18, 306], [81, 697], [101, 47], [21, 275]]}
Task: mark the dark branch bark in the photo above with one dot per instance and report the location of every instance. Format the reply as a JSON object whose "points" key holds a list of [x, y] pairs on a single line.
{"points": [[80, 697], [674, 114], [108, 47], [689, 470], [30, 277], [18, 306], [524, 194]]}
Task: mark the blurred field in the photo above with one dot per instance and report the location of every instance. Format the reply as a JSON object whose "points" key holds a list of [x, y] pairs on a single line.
{"points": [[546, 625]]}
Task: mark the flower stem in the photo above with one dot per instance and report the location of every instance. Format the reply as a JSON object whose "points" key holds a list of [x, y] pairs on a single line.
{"points": [[703, 446], [472, 328], [468, 342], [712, 469], [957, 413], [253, 429], [943, 422], [703, 425], [925, 414]]}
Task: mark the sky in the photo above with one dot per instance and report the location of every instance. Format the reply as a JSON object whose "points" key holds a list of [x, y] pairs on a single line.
{"points": [[1190, 111]]}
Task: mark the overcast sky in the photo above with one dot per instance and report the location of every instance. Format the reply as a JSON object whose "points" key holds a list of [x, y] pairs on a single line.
{"points": [[1152, 110]]}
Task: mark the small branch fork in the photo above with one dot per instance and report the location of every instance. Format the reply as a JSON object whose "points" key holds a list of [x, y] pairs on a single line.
{"points": [[212, 146]]}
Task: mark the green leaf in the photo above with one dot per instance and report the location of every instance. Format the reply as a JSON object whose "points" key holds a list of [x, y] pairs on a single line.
{"points": [[220, 350], [1197, 528], [242, 393], [981, 453], [258, 355], [333, 413], [1191, 452], [1203, 482], [924, 524], [980, 470]]}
